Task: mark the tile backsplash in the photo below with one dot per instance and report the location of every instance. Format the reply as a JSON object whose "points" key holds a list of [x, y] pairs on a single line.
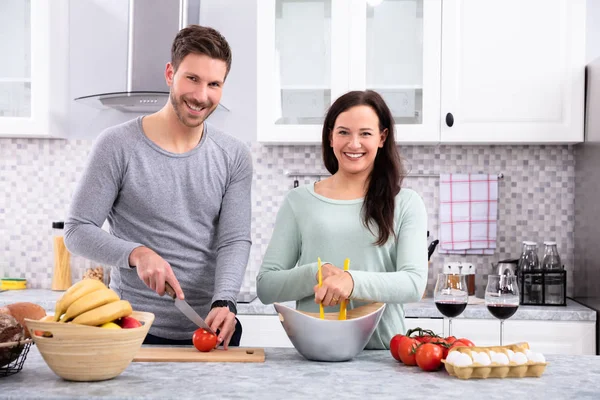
{"points": [[38, 176]]}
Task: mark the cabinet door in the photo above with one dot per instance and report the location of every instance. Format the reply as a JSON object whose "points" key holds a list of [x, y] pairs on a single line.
{"points": [[263, 331], [24, 72], [547, 337], [513, 71], [302, 51], [553, 337], [395, 51], [434, 324]]}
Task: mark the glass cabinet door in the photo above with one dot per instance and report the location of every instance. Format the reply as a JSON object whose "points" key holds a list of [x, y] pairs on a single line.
{"points": [[302, 77], [25, 68], [15, 69], [302, 50], [394, 65], [396, 51]]}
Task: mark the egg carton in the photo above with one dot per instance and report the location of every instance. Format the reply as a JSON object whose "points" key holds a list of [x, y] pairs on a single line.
{"points": [[495, 370]]}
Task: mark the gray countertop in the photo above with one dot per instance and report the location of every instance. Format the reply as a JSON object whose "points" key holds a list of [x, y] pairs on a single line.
{"points": [[285, 374], [573, 311]]}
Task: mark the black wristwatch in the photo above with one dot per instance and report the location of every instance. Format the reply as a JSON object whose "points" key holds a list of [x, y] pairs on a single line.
{"points": [[224, 303]]}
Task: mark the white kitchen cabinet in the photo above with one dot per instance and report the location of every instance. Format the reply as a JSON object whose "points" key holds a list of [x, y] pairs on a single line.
{"points": [[434, 324], [513, 71], [33, 72], [505, 71], [312, 51], [548, 337], [263, 331]]}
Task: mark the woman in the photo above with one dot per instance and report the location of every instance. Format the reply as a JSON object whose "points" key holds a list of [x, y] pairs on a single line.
{"points": [[358, 213]]}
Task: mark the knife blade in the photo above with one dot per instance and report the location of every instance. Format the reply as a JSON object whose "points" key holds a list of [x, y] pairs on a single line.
{"points": [[187, 310]]}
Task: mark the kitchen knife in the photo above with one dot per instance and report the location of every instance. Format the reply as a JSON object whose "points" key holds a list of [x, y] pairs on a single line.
{"points": [[187, 310]]}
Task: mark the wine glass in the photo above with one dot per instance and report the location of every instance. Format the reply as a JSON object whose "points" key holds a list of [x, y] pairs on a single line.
{"points": [[502, 298], [451, 296]]}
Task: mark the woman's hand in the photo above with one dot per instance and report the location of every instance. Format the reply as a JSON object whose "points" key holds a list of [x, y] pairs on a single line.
{"points": [[335, 288], [328, 270]]}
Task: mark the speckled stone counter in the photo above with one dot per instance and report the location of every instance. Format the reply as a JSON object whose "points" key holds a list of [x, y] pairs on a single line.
{"points": [[285, 374], [573, 311]]}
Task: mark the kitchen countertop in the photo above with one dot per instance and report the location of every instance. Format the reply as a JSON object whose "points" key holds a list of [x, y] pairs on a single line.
{"points": [[573, 311], [285, 374]]}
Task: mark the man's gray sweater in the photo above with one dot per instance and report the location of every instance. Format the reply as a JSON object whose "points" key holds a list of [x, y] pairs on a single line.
{"points": [[193, 209]]}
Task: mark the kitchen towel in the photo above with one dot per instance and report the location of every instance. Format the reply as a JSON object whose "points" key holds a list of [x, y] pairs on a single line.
{"points": [[468, 213]]}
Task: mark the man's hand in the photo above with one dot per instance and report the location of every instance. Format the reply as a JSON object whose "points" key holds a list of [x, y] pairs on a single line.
{"points": [[224, 320], [335, 288], [154, 271]]}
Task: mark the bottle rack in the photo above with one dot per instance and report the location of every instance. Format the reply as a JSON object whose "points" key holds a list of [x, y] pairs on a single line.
{"points": [[543, 278]]}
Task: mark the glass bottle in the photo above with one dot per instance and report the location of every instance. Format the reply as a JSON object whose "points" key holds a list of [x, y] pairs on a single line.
{"points": [[61, 277], [554, 285], [551, 259], [532, 277]]}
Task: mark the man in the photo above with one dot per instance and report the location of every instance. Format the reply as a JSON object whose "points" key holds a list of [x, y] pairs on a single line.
{"points": [[176, 193]]}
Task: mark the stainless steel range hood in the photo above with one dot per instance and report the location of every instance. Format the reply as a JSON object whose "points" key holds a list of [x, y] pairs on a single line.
{"points": [[152, 27]]}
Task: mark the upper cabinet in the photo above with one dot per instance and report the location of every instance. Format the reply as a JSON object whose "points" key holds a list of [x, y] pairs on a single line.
{"points": [[457, 71], [513, 71], [33, 54], [312, 51]]}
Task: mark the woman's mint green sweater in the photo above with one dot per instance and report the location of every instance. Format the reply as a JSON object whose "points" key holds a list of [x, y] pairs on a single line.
{"points": [[309, 226]]}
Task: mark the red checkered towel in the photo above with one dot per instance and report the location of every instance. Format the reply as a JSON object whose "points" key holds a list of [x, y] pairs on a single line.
{"points": [[468, 213]]}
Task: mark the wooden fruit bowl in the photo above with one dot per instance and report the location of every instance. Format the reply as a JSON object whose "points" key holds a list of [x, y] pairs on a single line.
{"points": [[88, 353]]}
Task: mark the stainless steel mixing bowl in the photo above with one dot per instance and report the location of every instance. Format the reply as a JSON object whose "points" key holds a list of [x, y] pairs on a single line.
{"points": [[328, 339]]}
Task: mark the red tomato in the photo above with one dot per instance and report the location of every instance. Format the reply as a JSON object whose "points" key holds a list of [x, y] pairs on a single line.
{"points": [[425, 338], [429, 356], [457, 343], [204, 340], [450, 339], [406, 350], [394, 346], [467, 342]]}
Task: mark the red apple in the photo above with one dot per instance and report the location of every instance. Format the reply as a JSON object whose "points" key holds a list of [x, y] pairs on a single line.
{"points": [[129, 322]]}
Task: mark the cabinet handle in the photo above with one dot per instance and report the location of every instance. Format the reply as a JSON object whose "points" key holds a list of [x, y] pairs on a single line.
{"points": [[449, 119]]}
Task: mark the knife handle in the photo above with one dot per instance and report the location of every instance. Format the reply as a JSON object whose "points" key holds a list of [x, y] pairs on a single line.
{"points": [[169, 290]]}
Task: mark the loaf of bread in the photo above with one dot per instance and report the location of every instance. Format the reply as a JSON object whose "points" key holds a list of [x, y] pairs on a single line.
{"points": [[20, 311], [10, 331]]}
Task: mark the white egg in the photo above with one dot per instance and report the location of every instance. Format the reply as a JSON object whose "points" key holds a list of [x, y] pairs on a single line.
{"points": [[537, 358], [463, 360], [500, 358], [483, 359], [519, 358], [474, 354], [492, 353], [528, 352], [510, 354], [452, 356]]}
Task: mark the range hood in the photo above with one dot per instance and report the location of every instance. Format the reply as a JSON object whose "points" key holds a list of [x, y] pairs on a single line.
{"points": [[152, 26]]}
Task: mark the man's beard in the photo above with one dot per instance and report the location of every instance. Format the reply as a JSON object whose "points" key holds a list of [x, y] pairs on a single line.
{"points": [[181, 110]]}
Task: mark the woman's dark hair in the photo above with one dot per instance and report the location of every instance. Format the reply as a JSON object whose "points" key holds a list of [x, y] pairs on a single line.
{"points": [[386, 177], [200, 40]]}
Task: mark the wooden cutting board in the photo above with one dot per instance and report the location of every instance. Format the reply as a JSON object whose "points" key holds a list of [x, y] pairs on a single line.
{"points": [[190, 354]]}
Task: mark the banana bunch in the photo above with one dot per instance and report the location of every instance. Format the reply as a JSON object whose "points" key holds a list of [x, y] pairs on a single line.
{"points": [[90, 302]]}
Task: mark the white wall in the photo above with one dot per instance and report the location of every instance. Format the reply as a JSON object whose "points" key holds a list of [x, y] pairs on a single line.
{"points": [[236, 20], [593, 30], [98, 57], [97, 62]]}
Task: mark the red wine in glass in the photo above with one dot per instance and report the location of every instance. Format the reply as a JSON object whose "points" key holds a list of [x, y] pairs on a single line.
{"points": [[502, 311], [502, 298], [451, 309], [450, 296]]}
